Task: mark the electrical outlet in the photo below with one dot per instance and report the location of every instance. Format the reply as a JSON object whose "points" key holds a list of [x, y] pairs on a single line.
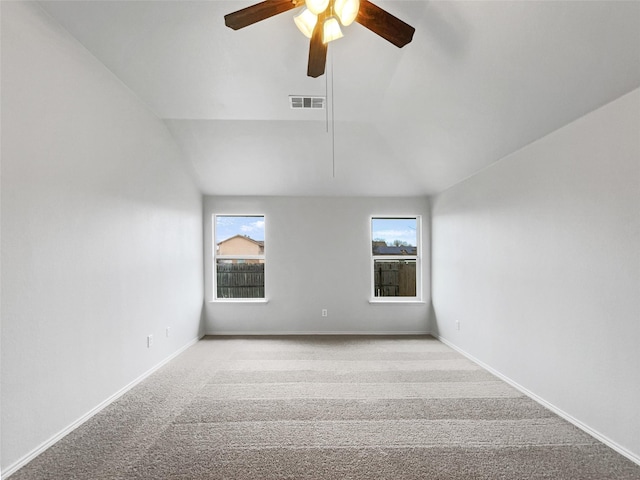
{"points": [[457, 324], [168, 332], [324, 312], [149, 341]]}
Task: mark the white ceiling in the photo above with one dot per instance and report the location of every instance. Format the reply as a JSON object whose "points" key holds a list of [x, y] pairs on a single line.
{"points": [[480, 80]]}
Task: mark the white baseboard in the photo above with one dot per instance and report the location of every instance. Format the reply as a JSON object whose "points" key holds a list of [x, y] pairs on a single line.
{"points": [[251, 333], [55, 438], [561, 413]]}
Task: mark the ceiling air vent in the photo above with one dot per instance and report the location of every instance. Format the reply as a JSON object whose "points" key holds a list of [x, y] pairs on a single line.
{"points": [[298, 101]]}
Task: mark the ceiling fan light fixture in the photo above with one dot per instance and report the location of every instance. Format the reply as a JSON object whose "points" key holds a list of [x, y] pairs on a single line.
{"points": [[331, 30], [306, 22], [317, 6], [347, 10], [330, 14]]}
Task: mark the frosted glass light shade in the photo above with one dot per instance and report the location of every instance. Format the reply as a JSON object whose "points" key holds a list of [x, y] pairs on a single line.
{"points": [[306, 22], [331, 30], [317, 6], [347, 10]]}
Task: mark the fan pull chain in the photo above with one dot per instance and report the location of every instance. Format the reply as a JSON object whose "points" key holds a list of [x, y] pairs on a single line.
{"points": [[333, 127], [328, 94]]}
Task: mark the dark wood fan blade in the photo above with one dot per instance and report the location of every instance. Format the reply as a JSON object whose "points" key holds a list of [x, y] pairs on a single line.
{"points": [[384, 24], [317, 51], [259, 11]]}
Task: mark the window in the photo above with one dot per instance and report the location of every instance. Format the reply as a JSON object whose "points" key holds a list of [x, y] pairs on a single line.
{"points": [[238, 256], [395, 258]]}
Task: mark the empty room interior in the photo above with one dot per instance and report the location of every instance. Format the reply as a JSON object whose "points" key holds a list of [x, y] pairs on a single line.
{"points": [[233, 248]]}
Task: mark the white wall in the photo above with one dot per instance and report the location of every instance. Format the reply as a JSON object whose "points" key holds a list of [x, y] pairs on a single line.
{"points": [[538, 258], [101, 234], [325, 241]]}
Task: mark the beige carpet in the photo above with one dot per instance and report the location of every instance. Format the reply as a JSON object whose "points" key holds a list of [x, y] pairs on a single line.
{"points": [[326, 408]]}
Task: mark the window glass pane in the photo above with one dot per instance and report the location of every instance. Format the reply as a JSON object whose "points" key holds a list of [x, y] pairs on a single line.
{"points": [[239, 256], [239, 235], [240, 278], [394, 236], [394, 278]]}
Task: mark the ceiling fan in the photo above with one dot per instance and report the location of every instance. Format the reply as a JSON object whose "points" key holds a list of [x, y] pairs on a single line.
{"points": [[320, 21]]}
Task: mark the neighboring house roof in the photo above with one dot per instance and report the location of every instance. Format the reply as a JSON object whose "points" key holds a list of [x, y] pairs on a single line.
{"points": [[244, 237], [393, 250]]}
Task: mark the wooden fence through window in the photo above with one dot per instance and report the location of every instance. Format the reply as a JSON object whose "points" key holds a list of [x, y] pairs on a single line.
{"points": [[240, 280], [395, 278]]}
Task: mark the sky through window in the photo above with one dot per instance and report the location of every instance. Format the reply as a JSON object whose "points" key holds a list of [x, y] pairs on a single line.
{"points": [[395, 229], [228, 226]]}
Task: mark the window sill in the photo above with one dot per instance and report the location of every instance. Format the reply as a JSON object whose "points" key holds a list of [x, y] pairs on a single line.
{"points": [[240, 300], [394, 301]]}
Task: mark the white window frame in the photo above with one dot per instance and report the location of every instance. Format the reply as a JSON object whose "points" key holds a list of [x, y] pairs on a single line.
{"points": [[417, 257], [217, 257]]}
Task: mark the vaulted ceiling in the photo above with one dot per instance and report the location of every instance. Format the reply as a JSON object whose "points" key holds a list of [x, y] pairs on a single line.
{"points": [[480, 80]]}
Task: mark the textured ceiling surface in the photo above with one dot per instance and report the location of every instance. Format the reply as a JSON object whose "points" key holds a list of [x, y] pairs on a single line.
{"points": [[480, 80]]}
